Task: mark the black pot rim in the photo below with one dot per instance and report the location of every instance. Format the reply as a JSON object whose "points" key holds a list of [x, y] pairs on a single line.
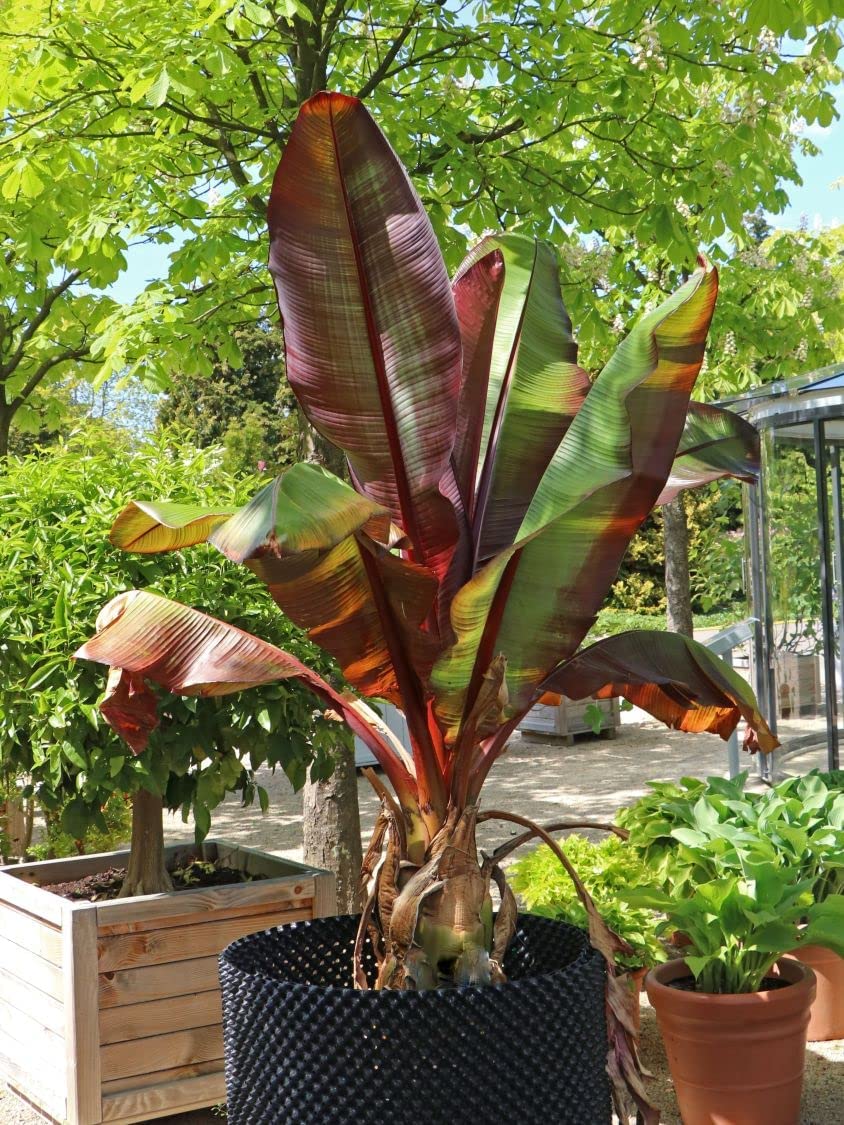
{"points": [[528, 982]]}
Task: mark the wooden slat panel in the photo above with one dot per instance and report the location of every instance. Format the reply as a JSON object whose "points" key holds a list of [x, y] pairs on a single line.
{"points": [[159, 1052], [81, 1002], [24, 996], [255, 862], [325, 895], [75, 867], [43, 1048], [31, 933], [41, 1091], [153, 947], [155, 982], [28, 966], [176, 909], [134, 1021], [137, 1082], [190, 1094], [15, 890]]}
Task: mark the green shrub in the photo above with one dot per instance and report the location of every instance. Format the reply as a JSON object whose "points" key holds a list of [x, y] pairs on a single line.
{"points": [[117, 815], [57, 570], [606, 869]]}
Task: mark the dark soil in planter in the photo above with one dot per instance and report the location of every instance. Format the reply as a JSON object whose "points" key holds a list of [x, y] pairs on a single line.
{"points": [[105, 885], [303, 1046], [769, 984]]}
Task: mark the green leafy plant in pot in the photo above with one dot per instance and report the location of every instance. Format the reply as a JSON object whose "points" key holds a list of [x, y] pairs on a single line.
{"points": [[495, 488], [802, 817], [733, 1011], [805, 817]]}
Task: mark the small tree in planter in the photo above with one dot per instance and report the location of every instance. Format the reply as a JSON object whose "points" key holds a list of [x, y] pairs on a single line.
{"points": [[496, 487], [56, 568]]}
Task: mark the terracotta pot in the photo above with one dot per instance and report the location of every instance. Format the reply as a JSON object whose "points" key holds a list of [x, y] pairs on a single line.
{"points": [[827, 1018], [735, 1060]]}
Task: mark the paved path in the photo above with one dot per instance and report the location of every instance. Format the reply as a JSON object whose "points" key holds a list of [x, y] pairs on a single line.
{"points": [[543, 780]]}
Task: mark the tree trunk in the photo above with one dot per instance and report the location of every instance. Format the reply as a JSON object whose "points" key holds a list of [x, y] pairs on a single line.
{"points": [[331, 823], [332, 828], [16, 819], [145, 872], [677, 584], [5, 427]]}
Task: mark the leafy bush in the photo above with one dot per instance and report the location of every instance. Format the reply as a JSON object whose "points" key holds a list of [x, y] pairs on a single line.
{"points": [[57, 569], [681, 829], [739, 872], [606, 869], [117, 815]]}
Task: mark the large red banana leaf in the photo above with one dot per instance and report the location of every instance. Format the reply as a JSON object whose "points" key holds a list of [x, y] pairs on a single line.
{"points": [[324, 552], [715, 443], [535, 601], [150, 639], [371, 338], [511, 313], [672, 677]]}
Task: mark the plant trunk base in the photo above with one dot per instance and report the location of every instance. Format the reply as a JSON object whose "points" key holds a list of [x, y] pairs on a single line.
{"points": [[146, 872]]}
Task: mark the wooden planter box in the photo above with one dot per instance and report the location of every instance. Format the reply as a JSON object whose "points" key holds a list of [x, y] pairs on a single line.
{"points": [[568, 718], [111, 1011]]}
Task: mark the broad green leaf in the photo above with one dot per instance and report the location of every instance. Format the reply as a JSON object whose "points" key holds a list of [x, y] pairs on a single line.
{"points": [[149, 528], [534, 386], [157, 93], [535, 602], [716, 443]]}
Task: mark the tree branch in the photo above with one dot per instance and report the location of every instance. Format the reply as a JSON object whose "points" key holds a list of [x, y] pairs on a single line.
{"points": [[42, 369], [50, 298]]}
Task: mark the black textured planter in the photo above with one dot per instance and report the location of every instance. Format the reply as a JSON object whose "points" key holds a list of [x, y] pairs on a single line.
{"points": [[303, 1046]]}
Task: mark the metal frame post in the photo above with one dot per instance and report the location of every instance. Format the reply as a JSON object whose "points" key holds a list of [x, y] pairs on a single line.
{"points": [[826, 580], [838, 556]]}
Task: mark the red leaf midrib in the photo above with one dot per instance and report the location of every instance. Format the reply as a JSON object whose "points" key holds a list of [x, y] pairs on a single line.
{"points": [[408, 514]]}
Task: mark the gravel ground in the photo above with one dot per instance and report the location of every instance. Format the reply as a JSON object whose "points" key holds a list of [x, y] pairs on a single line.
{"points": [[543, 780]]}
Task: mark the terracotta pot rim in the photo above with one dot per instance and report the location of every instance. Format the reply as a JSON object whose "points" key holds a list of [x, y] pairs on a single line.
{"points": [[801, 977]]}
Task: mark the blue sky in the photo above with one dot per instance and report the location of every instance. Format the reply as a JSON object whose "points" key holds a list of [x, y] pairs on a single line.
{"points": [[817, 199]]}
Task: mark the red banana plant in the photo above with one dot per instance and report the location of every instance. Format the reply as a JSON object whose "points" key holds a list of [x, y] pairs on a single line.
{"points": [[495, 488]]}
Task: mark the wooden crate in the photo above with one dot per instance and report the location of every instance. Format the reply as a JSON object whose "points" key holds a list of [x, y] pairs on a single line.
{"points": [[568, 718], [798, 678], [111, 1011]]}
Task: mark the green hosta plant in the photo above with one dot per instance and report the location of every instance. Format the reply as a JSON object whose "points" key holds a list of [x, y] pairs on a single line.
{"points": [[606, 869], [682, 830], [744, 917], [495, 486]]}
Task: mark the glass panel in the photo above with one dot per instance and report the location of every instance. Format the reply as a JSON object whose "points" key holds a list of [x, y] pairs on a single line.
{"points": [[805, 658]]}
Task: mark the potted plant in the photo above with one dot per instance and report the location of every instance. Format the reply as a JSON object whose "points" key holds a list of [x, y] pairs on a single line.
{"points": [[802, 817], [733, 1011], [606, 869], [83, 983], [494, 489]]}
